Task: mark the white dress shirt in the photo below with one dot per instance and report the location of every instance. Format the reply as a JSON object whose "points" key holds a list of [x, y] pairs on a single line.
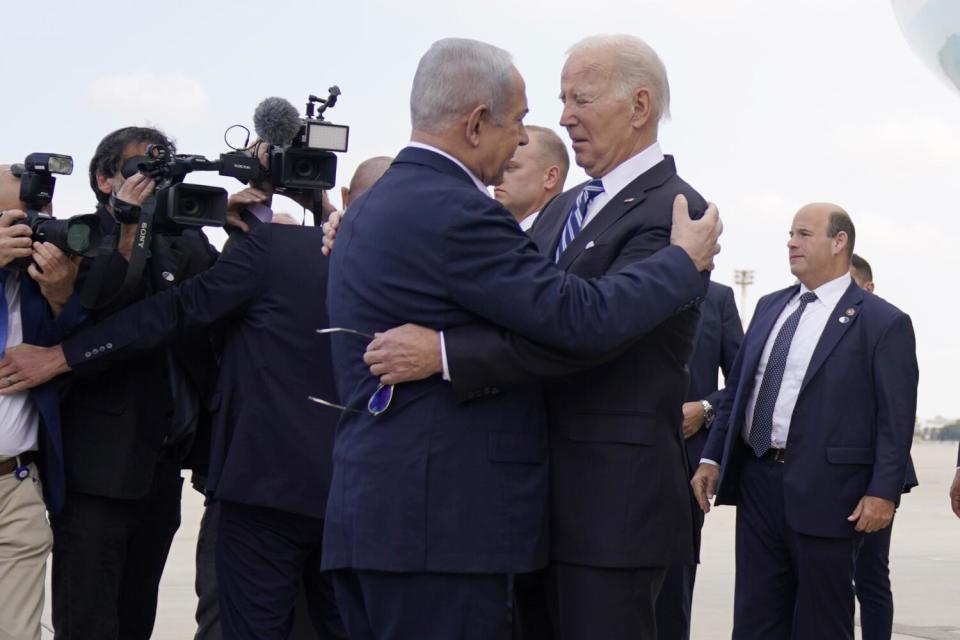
{"points": [[622, 175], [527, 223], [19, 419], [812, 323]]}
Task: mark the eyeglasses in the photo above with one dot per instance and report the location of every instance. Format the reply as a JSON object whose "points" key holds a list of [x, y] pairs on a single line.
{"points": [[380, 399]]}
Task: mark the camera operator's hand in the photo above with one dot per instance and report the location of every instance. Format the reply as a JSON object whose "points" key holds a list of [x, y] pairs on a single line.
{"points": [[55, 273], [14, 238], [330, 231], [239, 201], [136, 189]]}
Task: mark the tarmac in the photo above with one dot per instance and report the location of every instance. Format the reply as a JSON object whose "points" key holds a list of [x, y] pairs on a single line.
{"points": [[925, 563]]}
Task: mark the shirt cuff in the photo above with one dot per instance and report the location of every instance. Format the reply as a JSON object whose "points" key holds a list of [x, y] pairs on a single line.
{"points": [[443, 358], [709, 461]]}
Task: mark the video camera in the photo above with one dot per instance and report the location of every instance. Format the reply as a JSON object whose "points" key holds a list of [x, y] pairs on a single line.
{"points": [[79, 235], [177, 205]]}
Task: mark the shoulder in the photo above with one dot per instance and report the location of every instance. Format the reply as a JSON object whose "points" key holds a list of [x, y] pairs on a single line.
{"points": [[878, 311]]}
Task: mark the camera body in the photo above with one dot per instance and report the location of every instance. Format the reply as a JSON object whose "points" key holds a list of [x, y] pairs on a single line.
{"points": [[79, 235], [178, 205]]}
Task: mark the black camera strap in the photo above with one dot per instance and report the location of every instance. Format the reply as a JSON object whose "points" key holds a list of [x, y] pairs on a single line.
{"points": [[90, 295]]}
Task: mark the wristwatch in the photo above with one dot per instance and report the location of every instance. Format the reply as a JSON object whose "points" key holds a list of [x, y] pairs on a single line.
{"points": [[708, 413]]}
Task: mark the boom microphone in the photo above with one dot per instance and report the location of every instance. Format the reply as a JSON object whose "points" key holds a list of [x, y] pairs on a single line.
{"points": [[276, 121]]}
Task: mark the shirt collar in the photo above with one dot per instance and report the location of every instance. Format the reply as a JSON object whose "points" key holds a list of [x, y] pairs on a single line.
{"points": [[829, 293], [632, 168], [427, 147], [527, 222]]}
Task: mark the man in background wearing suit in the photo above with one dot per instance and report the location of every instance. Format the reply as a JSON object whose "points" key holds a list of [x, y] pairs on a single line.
{"points": [[534, 176], [460, 486], [719, 334], [872, 573], [615, 429], [812, 437], [955, 489]]}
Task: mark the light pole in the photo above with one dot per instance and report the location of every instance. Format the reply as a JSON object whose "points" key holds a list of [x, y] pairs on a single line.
{"points": [[744, 278]]}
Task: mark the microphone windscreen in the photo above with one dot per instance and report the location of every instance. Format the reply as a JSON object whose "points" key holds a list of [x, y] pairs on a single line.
{"points": [[276, 121]]}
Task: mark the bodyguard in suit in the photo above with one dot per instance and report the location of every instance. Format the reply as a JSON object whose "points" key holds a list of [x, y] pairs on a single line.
{"points": [[33, 308], [615, 428], [718, 338], [459, 487], [534, 176], [812, 437], [872, 572], [271, 447]]}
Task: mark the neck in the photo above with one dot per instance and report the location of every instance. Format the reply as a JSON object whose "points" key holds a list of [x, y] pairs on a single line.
{"points": [[815, 282]]}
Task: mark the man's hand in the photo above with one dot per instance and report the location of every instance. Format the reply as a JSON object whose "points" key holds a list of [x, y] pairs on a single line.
{"points": [[14, 238], [26, 366], [704, 484], [872, 514], [239, 201], [697, 237], [955, 494], [136, 189], [404, 354], [330, 231], [54, 272], [693, 416]]}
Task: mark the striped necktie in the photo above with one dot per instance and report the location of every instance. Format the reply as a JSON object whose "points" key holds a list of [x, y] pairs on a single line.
{"points": [[578, 212], [761, 431]]}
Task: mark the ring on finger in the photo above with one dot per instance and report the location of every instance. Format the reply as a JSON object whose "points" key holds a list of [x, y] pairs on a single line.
{"points": [[9, 380]]}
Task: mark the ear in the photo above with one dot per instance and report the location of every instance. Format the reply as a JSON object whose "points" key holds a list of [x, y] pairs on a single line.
{"points": [[840, 242], [475, 123], [344, 197], [551, 177], [104, 184], [642, 107], [869, 286]]}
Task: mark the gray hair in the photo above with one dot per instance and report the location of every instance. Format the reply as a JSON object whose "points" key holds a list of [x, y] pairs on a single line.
{"points": [[637, 66], [455, 76]]}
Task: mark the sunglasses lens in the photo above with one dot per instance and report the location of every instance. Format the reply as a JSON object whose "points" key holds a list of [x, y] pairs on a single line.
{"points": [[380, 400]]}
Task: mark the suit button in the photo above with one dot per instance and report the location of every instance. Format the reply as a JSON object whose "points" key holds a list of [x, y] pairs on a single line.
{"points": [[87, 354], [109, 345]]}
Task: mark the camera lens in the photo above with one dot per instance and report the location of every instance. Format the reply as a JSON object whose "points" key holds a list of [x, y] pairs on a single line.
{"points": [[190, 207], [303, 168]]}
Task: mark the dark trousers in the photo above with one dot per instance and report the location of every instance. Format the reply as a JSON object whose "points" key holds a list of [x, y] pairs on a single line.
{"points": [[789, 586], [108, 556], [262, 555], [596, 603], [377, 605], [675, 602], [872, 581]]}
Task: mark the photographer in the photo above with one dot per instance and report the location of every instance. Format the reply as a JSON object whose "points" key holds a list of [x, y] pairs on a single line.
{"points": [[127, 425], [30, 446]]}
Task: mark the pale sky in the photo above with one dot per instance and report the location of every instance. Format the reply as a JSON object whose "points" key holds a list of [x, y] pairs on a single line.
{"points": [[775, 104]]}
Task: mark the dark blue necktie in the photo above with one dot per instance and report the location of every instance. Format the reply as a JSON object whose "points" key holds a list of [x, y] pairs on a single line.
{"points": [[577, 214], [4, 311], [762, 429]]}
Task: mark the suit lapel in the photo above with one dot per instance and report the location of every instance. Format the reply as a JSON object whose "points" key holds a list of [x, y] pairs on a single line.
{"points": [[848, 307], [546, 230], [618, 206], [764, 325]]}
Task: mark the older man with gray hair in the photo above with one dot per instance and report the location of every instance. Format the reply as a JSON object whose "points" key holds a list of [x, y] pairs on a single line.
{"points": [[621, 509], [439, 500]]}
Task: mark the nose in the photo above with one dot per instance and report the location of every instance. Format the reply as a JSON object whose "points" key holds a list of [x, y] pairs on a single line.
{"points": [[524, 138], [566, 117]]}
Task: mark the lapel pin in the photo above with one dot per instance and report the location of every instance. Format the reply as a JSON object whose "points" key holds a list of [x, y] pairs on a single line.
{"points": [[629, 200], [169, 277], [843, 319], [851, 312]]}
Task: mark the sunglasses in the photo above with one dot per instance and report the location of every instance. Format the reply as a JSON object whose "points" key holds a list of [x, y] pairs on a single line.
{"points": [[380, 399]]}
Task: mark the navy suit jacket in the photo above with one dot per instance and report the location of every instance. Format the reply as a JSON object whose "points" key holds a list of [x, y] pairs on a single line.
{"points": [[615, 421], [271, 446], [719, 335], [39, 327], [433, 484], [852, 426]]}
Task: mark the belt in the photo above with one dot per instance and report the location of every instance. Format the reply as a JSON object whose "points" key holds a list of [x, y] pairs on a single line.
{"points": [[777, 455], [22, 460]]}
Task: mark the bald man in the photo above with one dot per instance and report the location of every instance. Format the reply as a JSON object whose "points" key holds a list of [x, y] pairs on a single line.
{"points": [[534, 176], [812, 437], [367, 172]]}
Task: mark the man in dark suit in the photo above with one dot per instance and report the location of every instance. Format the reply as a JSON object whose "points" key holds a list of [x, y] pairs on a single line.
{"points": [[872, 572], [34, 307], [955, 489], [615, 428], [812, 436], [271, 447], [718, 338], [534, 176], [461, 488]]}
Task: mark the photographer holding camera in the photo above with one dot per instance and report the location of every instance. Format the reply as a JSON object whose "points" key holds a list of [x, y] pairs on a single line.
{"points": [[30, 444], [127, 425]]}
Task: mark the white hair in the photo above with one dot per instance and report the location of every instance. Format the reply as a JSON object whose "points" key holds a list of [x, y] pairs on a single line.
{"points": [[636, 65], [455, 76]]}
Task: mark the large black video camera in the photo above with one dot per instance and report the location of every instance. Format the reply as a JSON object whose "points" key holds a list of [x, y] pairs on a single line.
{"points": [[79, 235], [177, 205]]}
